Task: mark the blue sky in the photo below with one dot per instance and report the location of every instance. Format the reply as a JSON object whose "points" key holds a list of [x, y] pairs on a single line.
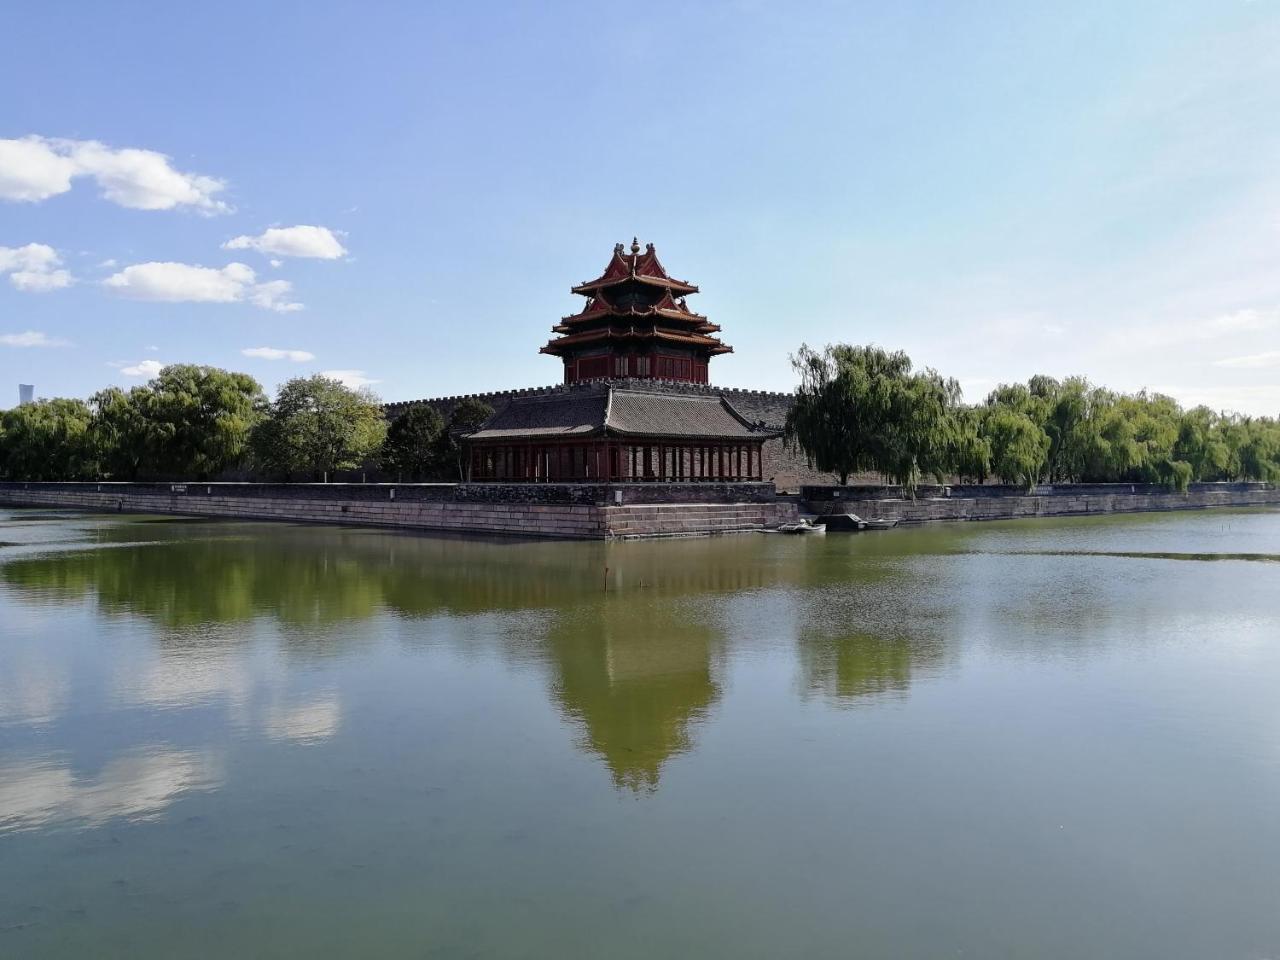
{"points": [[1000, 189]]}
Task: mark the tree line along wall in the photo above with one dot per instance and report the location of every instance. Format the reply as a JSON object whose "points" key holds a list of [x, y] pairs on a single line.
{"points": [[786, 468]]}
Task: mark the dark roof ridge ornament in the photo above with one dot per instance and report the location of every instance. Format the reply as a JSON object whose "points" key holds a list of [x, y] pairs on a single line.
{"points": [[635, 245]]}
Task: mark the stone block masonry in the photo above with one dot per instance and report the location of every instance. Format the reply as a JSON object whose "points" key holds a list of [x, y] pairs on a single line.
{"points": [[596, 511], [566, 511], [1060, 501]]}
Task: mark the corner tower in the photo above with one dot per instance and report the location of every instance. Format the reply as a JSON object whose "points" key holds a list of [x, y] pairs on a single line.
{"points": [[635, 324]]}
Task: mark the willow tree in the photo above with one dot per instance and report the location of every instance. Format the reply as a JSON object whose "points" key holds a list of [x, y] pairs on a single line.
{"points": [[1019, 448], [47, 440], [199, 419], [861, 408], [122, 431]]}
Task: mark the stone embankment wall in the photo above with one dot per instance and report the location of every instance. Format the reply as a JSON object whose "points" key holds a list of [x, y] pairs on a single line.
{"points": [[1059, 501], [575, 511], [786, 468]]}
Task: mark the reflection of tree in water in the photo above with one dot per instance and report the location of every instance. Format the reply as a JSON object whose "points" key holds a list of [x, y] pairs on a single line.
{"points": [[874, 635], [181, 577], [184, 574], [636, 672], [859, 666], [631, 632]]}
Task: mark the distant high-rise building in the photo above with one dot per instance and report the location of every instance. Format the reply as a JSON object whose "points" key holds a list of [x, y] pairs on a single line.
{"points": [[26, 393]]}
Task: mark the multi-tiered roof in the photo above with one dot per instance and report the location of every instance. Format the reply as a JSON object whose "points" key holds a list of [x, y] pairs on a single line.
{"points": [[634, 315]]}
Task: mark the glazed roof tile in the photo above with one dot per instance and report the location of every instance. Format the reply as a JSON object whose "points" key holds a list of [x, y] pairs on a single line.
{"points": [[612, 411]]}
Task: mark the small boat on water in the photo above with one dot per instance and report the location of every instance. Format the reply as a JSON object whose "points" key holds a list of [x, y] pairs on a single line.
{"points": [[883, 523], [803, 527], [851, 522]]}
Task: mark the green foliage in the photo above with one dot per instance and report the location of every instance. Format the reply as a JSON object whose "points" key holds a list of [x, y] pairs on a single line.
{"points": [[317, 426], [1201, 443], [467, 416], [1176, 475], [1099, 436], [412, 449], [189, 421], [862, 408], [47, 440], [1019, 447], [199, 419], [970, 447], [121, 431]]}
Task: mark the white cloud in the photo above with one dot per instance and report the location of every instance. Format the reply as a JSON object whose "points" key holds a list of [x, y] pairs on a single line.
{"points": [[189, 283], [1164, 335], [274, 295], [355, 379], [36, 168], [1253, 361], [31, 338], [301, 241], [152, 348], [34, 268], [31, 170], [276, 263], [273, 353], [1255, 400], [177, 282], [143, 368]]}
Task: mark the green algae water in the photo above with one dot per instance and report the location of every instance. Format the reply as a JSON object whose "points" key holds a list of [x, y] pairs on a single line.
{"points": [[1052, 739]]}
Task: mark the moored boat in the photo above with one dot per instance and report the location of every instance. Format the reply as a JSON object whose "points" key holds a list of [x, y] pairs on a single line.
{"points": [[849, 522], [883, 523], [843, 522], [802, 527]]}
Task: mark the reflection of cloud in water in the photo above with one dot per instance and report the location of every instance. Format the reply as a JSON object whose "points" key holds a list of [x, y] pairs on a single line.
{"points": [[138, 785], [174, 681], [306, 722], [32, 690]]}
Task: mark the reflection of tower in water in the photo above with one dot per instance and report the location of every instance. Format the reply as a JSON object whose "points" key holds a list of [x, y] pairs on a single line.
{"points": [[637, 676]]}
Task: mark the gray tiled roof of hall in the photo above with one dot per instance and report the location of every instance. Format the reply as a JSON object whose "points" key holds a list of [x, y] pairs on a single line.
{"points": [[611, 411]]}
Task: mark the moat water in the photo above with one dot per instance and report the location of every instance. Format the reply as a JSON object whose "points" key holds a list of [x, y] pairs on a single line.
{"points": [[1051, 739]]}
